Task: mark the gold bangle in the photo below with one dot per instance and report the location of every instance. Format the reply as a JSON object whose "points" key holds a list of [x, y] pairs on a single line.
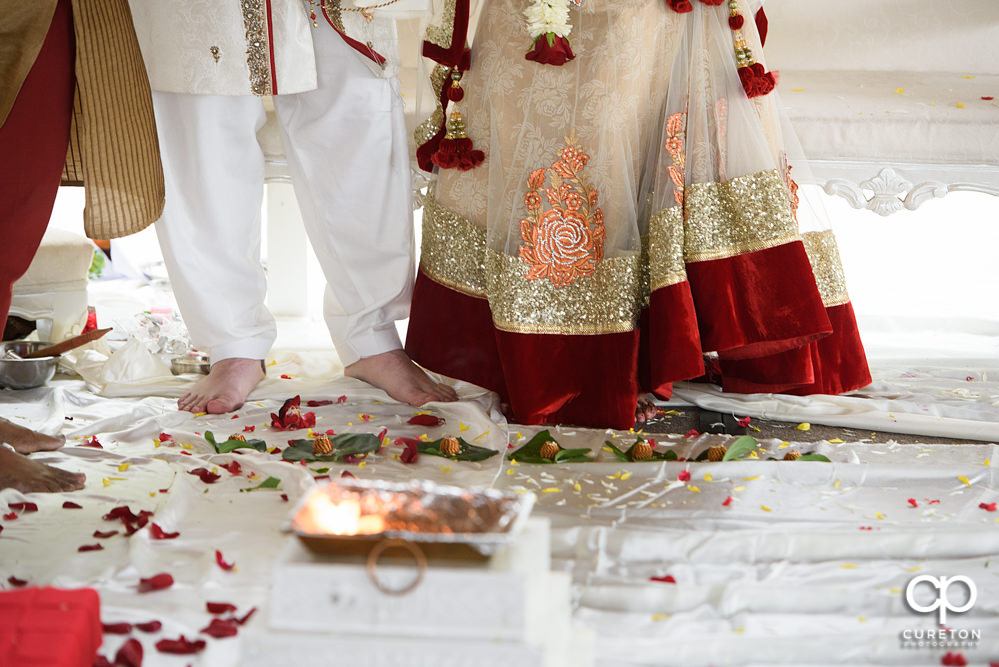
{"points": [[414, 551]]}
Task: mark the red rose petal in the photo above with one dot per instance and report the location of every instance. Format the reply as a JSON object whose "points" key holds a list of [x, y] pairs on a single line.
{"points": [[425, 420], [249, 429], [160, 534], [341, 399], [70, 505], [692, 433], [181, 646], [103, 535], [412, 452], [116, 628], [233, 467], [382, 434], [129, 655], [346, 474], [320, 477], [284, 497], [155, 583], [165, 437], [912, 501], [15, 582], [224, 565], [330, 431], [668, 579], [205, 475], [728, 501], [744, 422], [93, 442], [988, 507], [219, 607], [317, 404], [184, 452], [220, 628], [10, 516], [684, 476], [285, 376], [149, 626], [25, 507], [988, 98], [90, 547], [247, 616]]}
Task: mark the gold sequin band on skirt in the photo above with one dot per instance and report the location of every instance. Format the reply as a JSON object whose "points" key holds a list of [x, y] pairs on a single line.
{"points": [[823, 253], [745, 214]]}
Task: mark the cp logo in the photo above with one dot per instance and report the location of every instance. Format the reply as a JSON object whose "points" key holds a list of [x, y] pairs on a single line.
{"points": [[942, 602]]}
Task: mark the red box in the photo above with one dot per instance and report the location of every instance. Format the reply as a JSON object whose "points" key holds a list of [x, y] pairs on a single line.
{"points": [[50, 627]]}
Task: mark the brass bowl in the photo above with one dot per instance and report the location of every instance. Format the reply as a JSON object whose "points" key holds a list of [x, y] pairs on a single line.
{"points": [[190, 364], [25, 373]]}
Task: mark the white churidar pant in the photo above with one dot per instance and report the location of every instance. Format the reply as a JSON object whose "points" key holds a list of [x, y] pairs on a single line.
{"points": [[349, 159]]}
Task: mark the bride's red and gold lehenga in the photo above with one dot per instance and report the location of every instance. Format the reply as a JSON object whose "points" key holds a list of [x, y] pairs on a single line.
{"points": [[631, 217]]}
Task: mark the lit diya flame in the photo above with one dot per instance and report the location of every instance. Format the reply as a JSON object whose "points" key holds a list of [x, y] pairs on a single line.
{"points": [[322, 516]]}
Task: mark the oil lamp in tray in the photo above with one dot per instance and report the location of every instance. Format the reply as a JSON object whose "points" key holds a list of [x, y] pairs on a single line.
{"points": [[429, 521]]}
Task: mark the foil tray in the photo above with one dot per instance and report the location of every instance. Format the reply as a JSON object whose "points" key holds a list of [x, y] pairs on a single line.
{"points": [[445, 522]]}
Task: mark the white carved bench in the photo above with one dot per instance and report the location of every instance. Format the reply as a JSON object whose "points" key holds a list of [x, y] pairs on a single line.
{"points": [[887, 97]]}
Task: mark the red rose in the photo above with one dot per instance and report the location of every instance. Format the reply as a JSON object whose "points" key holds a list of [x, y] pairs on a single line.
{"points": [[680, 6], [550, 49]]}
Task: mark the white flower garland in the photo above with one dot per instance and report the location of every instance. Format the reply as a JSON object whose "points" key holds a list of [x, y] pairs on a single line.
{"points": [[548, 17]]}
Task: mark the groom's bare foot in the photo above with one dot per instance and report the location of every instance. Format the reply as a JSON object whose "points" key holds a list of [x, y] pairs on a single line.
{"points": [[396, 374], [225, 387], [645, 409], [19, 472], [26, 441]]}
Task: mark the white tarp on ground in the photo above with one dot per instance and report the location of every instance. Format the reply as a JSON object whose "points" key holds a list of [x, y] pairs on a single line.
{"points": [[805, 565]]}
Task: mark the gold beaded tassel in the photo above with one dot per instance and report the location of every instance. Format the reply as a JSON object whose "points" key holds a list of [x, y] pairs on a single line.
{"points": [[756, 81]]}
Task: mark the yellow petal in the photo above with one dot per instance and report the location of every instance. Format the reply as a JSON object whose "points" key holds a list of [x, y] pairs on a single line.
{"points": [[625, 476], [914, 569], [765, 508], [607, 449], [551, 489], [861, 619], [964, 479], [750, 479], [804, 426], [848, 566], [959, 105], [968, 76], [895, 591], [739, 488], [124, 466], [879, 515], [739, 630], [797, 90], [836, 441], [615, 475], [693, 489], [660, 617], [836, 485], [463, 427], [784, 445], [446, 468], [987, 462], [900, 91], [200, 414], [362, 464], [708, 477], [424, 437], [577, 487]]}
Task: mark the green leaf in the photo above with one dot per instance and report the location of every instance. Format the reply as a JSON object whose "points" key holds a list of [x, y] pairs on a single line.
{"points": [[741, 448], [618, 454], [345, 444], [269, 483], [468, 452], [814, 457], [321, 471], [229, 445], [703, 456], [531, 452]]}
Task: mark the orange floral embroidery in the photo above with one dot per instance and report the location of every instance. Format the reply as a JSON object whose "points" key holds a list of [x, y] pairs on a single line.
{"points": [[565, 242], [792, 187], [676, 139]]}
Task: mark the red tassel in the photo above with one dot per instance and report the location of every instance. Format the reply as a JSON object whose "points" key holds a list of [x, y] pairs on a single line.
{"points": [[455, 92], [456, 150], [736, 22], [756, 81], [680, 6]]}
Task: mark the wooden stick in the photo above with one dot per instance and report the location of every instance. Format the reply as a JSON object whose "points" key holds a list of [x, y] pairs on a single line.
{"points": [[66, 345]]}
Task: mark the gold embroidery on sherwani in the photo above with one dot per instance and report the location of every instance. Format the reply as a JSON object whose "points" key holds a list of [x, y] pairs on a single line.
{"points": [[745, 214], [562, 241], [823, 253], [258, 54]]}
